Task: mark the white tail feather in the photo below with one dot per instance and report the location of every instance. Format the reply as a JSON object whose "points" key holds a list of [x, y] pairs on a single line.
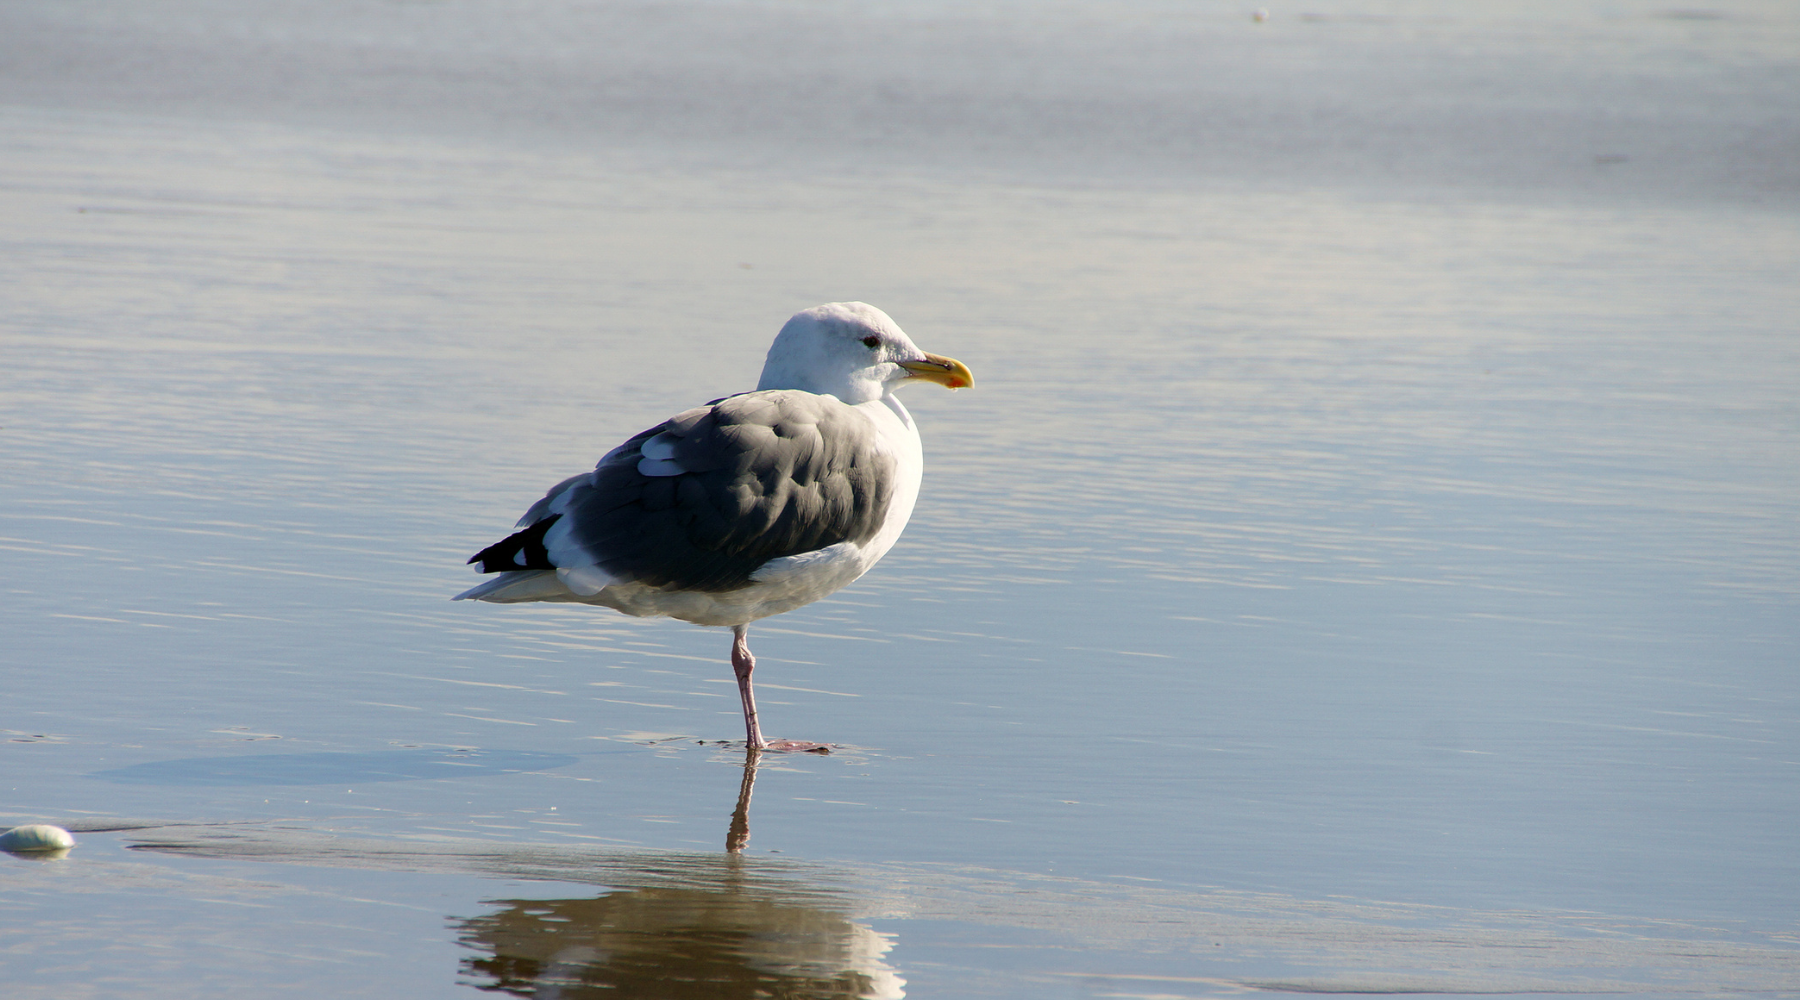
{"points": [[521, 585]]}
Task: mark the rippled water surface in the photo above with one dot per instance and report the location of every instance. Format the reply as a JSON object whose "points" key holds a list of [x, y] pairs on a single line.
{"points": [[1355, 570]]}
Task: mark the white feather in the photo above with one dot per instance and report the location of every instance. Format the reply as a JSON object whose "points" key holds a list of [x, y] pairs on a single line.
{"points": [[661, 447], [585, 581], [514, 586], [660, 467]]}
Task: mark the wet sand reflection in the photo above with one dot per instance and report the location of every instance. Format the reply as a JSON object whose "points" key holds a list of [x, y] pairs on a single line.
{"points": [[731, 939], [667, 925], [719, 944], [731, 924]]}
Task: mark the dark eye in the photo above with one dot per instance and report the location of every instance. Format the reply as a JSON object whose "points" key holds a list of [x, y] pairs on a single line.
{"points": [[871, 342]]}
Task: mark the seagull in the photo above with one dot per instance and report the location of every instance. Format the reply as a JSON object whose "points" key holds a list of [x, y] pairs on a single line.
{"points": [[748, 506]]}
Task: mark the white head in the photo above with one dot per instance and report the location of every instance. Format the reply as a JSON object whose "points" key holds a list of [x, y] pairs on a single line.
{"points": [[853, 351]]}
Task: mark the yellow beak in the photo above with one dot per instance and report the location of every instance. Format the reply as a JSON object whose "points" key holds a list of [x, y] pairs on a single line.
{"points": [[947, 372]]}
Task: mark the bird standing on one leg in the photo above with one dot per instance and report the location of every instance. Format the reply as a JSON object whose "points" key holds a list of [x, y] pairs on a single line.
{"points": [[748, 506]]}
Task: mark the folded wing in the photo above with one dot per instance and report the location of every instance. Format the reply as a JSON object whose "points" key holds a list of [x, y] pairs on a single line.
{"points": [[702, 500]]}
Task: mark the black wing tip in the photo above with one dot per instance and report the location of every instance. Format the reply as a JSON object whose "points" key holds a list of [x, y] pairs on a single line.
{"points": [[519, 550]]}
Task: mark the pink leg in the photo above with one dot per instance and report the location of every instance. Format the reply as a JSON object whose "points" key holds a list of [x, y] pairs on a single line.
{"points": [[743, 663]]}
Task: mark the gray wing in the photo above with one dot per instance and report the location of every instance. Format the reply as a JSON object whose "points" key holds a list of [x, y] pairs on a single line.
{"points": [[725, 488]]}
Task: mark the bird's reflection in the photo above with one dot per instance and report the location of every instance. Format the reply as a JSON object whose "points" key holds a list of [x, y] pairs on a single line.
{"points": [[735, 937], [738, 834]]}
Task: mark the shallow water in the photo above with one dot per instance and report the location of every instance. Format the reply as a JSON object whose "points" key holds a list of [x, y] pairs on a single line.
{"points": [[1360, 577]]}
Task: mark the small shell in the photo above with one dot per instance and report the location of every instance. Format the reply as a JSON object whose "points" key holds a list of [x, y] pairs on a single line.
{"points": [[36, 837]]}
